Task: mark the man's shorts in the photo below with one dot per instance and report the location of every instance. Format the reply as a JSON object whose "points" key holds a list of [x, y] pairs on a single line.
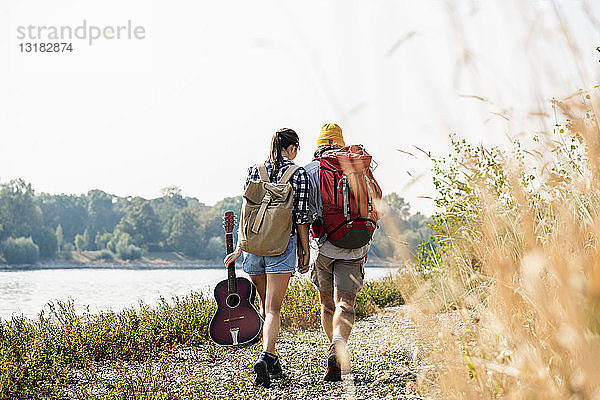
{"points": [[346, 275], [286, 262]]}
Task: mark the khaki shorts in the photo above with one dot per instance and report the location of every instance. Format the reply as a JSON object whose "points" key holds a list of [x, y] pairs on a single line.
{"points": [[346, 275]]}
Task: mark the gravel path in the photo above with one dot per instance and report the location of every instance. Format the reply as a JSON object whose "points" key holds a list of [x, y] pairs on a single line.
{"points": [[385, 355]]}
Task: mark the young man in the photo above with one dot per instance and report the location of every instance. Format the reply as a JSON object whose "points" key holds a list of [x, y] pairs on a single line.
{"points": [[337, 273]]}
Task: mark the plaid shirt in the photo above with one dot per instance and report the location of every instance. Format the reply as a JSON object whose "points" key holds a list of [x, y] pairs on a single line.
{"points": [[300, 184]]}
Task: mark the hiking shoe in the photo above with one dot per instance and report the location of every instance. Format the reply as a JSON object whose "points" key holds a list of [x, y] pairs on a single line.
{"points": [[273, 364], [275, 370], [262, 374], [342, 355], [333, 372]]}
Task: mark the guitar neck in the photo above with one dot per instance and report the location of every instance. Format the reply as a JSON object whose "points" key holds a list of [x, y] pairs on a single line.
{"points": [[231, 283]]}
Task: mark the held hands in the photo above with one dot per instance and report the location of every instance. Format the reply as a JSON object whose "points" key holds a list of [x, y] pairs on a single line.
{"points": [[303, 260], [231, 257]]}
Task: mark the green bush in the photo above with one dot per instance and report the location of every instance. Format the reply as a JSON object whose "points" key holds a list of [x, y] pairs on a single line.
{"points": [[102, 240], [36, 355], [301, 308], [66, 255], [129, 252], [378, 294], [45, 238], [20, 251], [104, 255]]}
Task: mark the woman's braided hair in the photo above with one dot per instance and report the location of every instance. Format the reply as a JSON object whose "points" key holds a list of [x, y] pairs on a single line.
{"points": [[282, 139]]}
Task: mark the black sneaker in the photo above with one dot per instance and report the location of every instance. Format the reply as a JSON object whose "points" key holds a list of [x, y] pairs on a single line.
{"points": [[262, 375], [275, 370], [273, 364]]}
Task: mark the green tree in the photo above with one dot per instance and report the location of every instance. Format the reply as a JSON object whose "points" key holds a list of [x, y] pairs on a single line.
{"points": [[186, 236], [19, 214], [102, 240], [228, 203], [397, 205], [381, 246], [103, 213], [215, 248], [68, 211], [142, 224], [45, 239], [213, 221], [80, 242], [169, 204], [87, 240], [118, 239], [60, 239]]}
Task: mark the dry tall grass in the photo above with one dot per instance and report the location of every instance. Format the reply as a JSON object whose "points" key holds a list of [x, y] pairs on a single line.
{"points": [[516, 311]]}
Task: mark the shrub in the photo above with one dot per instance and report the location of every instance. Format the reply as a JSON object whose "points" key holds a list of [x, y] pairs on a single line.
{"points": [[378, 294], [66, 255], [45, 238], [519, 277], [104, 255], [102, 240], [36, 355], [118, 239], [20, 251], [301, 308], [129, 252]]}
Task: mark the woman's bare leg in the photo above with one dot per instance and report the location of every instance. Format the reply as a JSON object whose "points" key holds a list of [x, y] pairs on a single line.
{"points": [[260, 281], [276, 287]]}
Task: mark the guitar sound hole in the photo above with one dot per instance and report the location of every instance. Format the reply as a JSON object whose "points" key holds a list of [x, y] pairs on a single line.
{"points": [[233, 300]]}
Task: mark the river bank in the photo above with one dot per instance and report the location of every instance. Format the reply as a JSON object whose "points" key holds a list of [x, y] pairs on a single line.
{"points": [[40, 354], [385, 350], [149, 260], [94, 288]]}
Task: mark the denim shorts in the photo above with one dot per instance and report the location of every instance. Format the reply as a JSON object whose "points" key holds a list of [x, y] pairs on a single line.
{"points": [[286, 262]]}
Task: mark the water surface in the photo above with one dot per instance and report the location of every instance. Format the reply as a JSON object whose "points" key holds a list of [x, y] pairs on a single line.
{"points": [[27, 291]]}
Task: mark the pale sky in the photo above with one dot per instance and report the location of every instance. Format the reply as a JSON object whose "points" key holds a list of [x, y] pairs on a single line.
{"points": [[196, 102]]}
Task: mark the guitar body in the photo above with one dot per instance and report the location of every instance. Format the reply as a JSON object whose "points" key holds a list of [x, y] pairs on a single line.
{"points": [[236, 322]]}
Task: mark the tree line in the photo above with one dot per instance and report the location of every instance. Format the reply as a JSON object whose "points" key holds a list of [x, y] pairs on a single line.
{"points": [[40, 225]]}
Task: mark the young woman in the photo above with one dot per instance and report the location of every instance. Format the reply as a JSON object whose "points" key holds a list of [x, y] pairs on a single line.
{"points": [[271, 275]]}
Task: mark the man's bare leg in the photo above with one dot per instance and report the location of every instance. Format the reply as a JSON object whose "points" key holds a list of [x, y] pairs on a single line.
{"points": [[327, 311], [343, 318], [343, 321]]}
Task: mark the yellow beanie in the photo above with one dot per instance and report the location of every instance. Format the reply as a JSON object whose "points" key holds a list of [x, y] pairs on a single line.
{"points": [[330, 134]]}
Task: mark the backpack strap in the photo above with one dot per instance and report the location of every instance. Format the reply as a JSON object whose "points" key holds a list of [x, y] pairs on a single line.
{"points": [[262, 172], [369, 196], [288, 173], [261, 212]]}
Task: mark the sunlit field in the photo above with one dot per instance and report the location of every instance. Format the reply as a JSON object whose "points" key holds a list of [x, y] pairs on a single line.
{"points": [[508, 303]]}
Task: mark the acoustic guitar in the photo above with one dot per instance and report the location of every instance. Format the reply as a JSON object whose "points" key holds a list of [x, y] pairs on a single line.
{"points": [[236, 322]]}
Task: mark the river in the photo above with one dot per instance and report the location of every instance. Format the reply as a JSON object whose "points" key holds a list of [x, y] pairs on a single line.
{"points": [[28, 291]]}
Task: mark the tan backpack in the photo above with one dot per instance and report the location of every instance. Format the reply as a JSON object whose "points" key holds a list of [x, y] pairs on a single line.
{"points": [[266, 222]]}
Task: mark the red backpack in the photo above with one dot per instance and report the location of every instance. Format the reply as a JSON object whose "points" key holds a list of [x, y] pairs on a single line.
{"points": [[351, 198]]}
